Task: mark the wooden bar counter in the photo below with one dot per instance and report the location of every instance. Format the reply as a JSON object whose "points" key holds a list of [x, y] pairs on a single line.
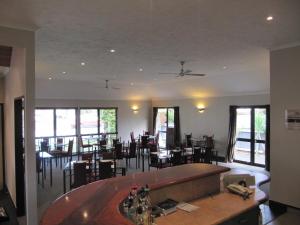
{"points": [[98, 203]]}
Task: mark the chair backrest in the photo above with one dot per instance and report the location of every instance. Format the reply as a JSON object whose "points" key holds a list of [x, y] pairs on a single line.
{"points": [[144, 141], [80, 177], [153, 159], [44, 146], [103, 142], [59, 143], [70, 147], [209, 142], [105, 170], [118, 151], [146, 133], [153, 147], [132, 149], [107, 155], [132, 136], [115, 141], [197, 156], [176, 157], [188, 139], [87, 156], [103, 136]]}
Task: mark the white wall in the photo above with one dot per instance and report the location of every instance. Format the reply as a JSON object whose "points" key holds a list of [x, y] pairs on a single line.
{"points": [[285, 144], [214, 120], [127, 120], [14, 87], [20, 82]]}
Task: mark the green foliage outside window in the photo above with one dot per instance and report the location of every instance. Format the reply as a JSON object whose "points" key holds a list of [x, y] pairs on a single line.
{"points": [[108, 123]]}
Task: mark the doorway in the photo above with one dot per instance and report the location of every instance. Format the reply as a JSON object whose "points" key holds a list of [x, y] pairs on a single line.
{"points": [[164, 123], [19, 156], [252, 135]]}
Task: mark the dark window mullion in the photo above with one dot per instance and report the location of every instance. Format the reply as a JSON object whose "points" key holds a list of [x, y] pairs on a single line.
{"points": [[252, 152]]}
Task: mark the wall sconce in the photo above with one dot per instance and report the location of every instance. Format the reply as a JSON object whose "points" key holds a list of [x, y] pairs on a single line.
{"points": [[135, 109], [201, 108]]}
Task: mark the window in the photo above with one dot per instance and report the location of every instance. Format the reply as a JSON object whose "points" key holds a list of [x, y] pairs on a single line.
{"points": [[88, 121], [44, 122], [65, 122], [108, 121]]}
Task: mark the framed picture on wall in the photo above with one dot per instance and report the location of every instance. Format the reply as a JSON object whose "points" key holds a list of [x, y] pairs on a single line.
{"points": [[292, 119]]}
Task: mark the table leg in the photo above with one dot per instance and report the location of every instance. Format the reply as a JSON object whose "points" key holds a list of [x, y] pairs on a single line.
{"points": [[50, 172], [42, 175], [95, 164], [44, 168], [64, 181], [143, 162], [70, 174]]}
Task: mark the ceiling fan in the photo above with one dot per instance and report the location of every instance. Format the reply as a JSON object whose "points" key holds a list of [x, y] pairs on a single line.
{"points": [[109, 87], [183, 72]]}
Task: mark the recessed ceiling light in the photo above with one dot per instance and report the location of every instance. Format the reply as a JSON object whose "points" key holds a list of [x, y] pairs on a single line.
{"points": [[141, 69], [131, 84], [82, 63], [112, 50], [50, 78], [224, 67], [64, 72], [269, 18]]}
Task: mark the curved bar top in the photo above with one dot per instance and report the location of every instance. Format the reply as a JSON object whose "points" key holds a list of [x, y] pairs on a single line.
{"points": [[98, 203]]}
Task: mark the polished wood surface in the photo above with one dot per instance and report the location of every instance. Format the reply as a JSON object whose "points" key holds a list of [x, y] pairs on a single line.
{"points": [[221, 207], [98, 203], [214, 210]]}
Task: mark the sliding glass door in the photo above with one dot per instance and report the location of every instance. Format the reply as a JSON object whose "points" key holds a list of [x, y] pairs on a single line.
{"points": [[252, 135], [164, 120]]}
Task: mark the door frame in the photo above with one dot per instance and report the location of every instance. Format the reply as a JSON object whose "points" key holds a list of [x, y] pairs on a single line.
{"points": [[252, 139], [19, 153]]}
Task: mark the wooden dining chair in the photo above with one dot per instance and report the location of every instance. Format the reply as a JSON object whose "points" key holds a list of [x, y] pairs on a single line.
{"points": [[69, 153], [105, 170], [44, 146], [82, 145], [131, 154], [88, 157], [176, 158], [153, 161], [80, 176], [132, 136], [119, 151]]}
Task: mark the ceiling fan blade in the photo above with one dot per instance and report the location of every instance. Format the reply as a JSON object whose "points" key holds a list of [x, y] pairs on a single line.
{"points": [[187, 71], [195, 74], [169, 73]]}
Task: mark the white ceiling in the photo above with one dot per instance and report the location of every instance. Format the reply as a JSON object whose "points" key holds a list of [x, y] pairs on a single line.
{"points": [[154, 35]]}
